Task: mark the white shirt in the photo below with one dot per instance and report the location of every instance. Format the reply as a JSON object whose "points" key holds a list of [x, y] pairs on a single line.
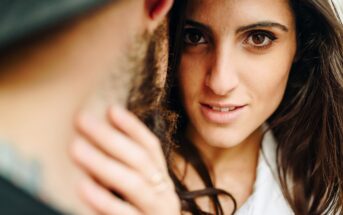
{"points": [[267, 198]]}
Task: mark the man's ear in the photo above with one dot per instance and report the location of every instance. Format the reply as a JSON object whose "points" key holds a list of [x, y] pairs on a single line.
{"points": [[157, 10]]}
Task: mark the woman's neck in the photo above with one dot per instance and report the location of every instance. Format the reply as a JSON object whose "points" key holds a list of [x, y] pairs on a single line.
{"points": [[243, 155], [232, 169]]}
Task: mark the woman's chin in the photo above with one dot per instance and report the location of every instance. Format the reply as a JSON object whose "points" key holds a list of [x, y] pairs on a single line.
{"points": [[223, 139]]}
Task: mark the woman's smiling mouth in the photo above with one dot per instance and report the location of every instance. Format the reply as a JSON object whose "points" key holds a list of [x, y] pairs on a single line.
{"points": [[221, 113]]}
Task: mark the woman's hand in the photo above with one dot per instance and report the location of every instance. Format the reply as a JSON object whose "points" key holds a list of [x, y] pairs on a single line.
{"points": [[125, 158]]}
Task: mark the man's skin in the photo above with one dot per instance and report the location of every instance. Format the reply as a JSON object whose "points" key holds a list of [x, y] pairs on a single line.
{"points": [[85, 65]]}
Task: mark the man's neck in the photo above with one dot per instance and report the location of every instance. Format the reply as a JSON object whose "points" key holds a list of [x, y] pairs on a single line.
{"points": [[36, 129]]}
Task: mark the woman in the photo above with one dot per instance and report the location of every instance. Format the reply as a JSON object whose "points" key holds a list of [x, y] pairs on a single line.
{"points": [[260, 108]]}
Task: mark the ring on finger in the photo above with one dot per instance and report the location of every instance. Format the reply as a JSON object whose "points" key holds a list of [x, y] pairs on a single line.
{"points": [[159, 181]]}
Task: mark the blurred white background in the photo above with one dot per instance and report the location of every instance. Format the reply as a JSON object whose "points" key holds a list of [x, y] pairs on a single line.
{"points": [[339, 7]]}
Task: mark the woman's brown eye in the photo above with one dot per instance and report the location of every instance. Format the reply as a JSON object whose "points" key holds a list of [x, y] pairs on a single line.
{"points": [[193, 37], [258, 39]]}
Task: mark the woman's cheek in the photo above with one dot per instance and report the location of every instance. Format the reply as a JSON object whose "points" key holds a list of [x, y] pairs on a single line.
{"points": [[274, 89]]}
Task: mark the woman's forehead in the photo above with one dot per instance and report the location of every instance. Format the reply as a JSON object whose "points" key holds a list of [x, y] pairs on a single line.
{"points": [[223, 12]]}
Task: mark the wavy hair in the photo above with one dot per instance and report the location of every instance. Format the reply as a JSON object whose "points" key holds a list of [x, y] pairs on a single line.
{"points": [[308, 124]]}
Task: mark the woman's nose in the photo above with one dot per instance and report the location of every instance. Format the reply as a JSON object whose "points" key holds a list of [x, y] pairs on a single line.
{"points": [[222, 76]]}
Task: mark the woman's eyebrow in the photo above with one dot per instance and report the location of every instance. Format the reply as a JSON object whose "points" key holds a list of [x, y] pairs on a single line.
{"points": [[263, 25], [199, 25]]}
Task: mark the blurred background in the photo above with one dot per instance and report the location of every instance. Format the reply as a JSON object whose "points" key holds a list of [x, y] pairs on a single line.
{"points": [[339, 7]]}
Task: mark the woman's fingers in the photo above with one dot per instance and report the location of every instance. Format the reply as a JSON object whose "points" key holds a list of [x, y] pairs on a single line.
{"points": [[126, 157], [128, 123], [116, 176], [117, 145], [103, 201]]}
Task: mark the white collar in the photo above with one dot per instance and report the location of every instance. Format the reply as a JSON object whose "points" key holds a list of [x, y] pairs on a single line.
{"points": [[267, 198]]}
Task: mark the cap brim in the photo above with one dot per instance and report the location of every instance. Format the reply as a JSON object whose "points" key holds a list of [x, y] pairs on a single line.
{"points": [[20, 19]]}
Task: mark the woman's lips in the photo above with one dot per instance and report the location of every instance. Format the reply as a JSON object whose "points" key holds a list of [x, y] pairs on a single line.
{"points": [[221, 114]]}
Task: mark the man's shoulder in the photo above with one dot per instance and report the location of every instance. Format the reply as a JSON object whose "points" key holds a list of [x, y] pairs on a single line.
{"points": [[15, 201]]}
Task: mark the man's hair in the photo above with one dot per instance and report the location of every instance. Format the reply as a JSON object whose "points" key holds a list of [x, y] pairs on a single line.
{"points": [[24, 21]]}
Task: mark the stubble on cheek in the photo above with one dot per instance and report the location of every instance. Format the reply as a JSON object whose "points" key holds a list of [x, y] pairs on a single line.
{"points": [[162, 53], [148, 83], [125, 72]]}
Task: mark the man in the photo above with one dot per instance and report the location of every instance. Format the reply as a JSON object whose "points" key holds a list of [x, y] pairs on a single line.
{"points": [[58, 58]]}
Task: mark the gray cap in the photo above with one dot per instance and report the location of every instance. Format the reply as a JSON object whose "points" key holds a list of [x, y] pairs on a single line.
{"points": [[20, 19]]}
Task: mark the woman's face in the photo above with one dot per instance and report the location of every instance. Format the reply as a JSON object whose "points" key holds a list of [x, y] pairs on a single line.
{"points": [[235, 66]]}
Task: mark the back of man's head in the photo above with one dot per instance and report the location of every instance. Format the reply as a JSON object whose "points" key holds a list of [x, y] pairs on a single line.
{"points": [[103, 35], [22, 19], [60, 57]]}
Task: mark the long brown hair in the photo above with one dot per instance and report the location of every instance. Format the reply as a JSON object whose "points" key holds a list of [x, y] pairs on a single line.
{"points": [[308, 124]]}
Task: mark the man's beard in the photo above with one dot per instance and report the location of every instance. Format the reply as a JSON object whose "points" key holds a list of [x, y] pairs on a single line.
{"points": [[150, 73], [139, 81], [147, 98]]}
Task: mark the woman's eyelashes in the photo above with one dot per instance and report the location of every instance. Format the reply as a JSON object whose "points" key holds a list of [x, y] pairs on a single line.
{"points": [[252, 40], [259, 39], [193, 37]]}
